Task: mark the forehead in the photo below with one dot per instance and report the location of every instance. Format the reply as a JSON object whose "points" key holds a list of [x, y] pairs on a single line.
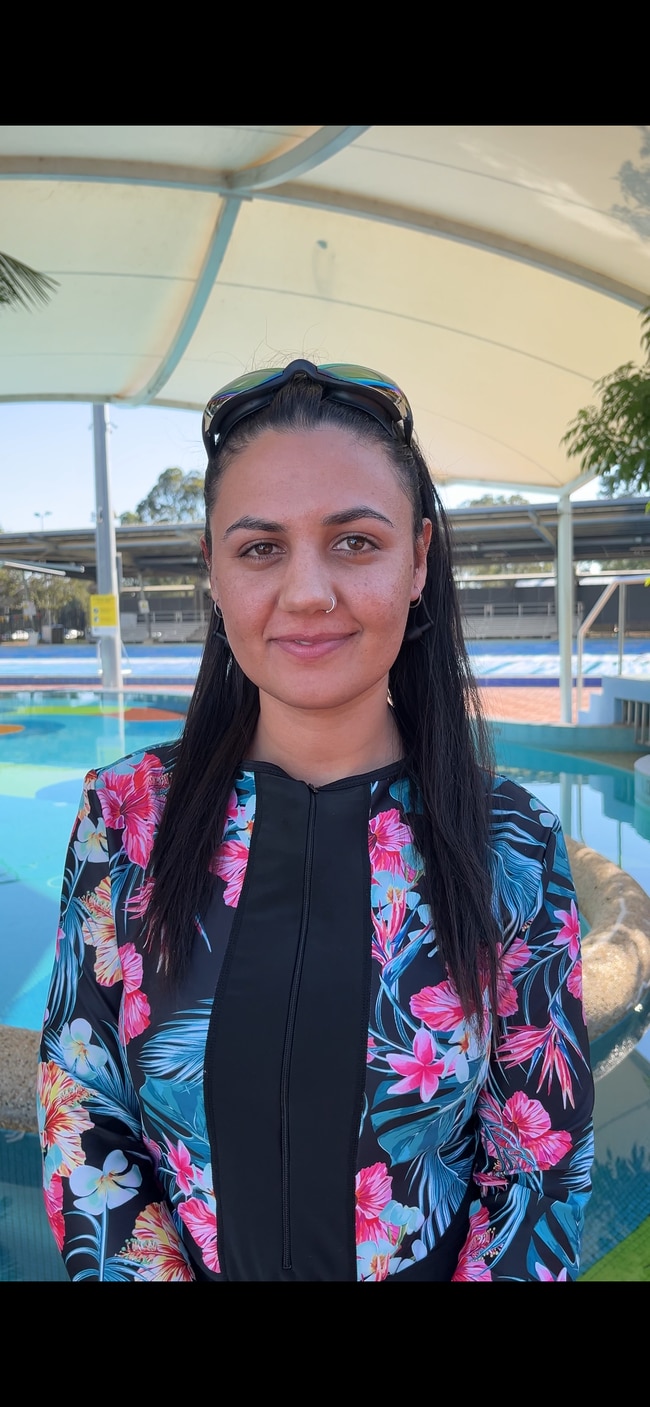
{"points": [[307, 470]]}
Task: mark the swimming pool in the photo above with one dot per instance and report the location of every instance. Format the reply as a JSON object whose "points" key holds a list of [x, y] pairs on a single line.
{"points": [[48, 740], [493, 661]]}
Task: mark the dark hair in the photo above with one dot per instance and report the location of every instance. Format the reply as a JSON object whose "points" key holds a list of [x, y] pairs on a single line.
{"points": [[446, 744]]}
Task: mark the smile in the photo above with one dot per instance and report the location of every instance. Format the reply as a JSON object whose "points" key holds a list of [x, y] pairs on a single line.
{"points": [[309, 647]]}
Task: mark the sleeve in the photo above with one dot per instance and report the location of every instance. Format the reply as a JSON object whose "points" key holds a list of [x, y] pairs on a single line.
{"points": [[104, 1203], [535, 1148]]}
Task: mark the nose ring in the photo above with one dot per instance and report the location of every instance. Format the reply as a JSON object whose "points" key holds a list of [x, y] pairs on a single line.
{"points": [[331, 608]]}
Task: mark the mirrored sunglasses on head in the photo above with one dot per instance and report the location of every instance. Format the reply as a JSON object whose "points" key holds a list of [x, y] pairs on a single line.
{"points": [[358, 386]]}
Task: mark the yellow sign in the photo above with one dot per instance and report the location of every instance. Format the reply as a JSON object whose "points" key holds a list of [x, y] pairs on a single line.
{"points": [[103, 612]]}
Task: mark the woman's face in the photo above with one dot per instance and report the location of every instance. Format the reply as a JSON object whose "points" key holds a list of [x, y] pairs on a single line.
{"points": [[299, 518]]}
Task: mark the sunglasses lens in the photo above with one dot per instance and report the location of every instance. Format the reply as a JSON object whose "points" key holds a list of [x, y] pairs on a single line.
{"points": [[250, 381], [365, 376], [347, 375]]}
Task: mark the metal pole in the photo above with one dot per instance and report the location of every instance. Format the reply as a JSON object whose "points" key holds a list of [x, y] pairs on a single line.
{"points": [[564, 600], [110, 644], [621, 624]]}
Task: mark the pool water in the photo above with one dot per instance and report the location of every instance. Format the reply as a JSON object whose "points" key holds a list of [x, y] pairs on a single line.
{"points": [[48, 740]]}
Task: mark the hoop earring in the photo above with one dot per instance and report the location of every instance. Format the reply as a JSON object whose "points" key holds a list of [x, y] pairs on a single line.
{"points": [[417, 631], [217, 633], [331, 608], [414, 604]]}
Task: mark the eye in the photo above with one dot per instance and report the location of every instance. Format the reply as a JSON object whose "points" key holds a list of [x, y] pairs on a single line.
{"points": [[259, 551], [356, 544]]}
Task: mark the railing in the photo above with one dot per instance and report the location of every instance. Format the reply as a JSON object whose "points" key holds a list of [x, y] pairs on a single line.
{"points": [[489, 609], [620, 582], [636, 713]]}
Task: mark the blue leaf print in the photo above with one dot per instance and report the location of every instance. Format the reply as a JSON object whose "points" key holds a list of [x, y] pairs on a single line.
{"points": [[177, 1051]]}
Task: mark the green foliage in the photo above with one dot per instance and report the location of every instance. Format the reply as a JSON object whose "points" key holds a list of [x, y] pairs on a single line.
{"points": [[497, 499], [175, 498], [612, 439], [628, 1261], [20, 285]]}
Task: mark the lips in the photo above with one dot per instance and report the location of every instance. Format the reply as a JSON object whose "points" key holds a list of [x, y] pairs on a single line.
{"points": [[310, 647]]}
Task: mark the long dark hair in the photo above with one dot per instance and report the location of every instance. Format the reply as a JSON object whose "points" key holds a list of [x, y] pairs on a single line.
{"points": [[446, 744]]}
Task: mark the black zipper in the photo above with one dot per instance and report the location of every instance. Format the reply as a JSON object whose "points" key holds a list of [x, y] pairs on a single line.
{"points": [[288, 1046]]}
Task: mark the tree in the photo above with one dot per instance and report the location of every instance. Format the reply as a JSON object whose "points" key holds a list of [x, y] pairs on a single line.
{"points": [[175, 498], [20, 285], [496, 499], [612, 439]]}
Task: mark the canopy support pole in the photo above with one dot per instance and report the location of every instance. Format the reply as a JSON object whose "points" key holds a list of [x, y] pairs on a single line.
{"points": [[564, 603], [110, 641]]}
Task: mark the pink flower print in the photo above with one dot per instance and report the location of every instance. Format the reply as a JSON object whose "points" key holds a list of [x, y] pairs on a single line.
{"points": [[99, 931], [471, 1261], [61, 1120], [569, 933], [387, 928], [525, 1043], [574, 981], [156, 1246], [420, 1071], [371, 1050], [516, 956], [543, 1274], [136, 906], [373, 1190], [387, 838], [133, 803], [181, 1166], [201, 1222], [84, 804], [230, 862], [439, 1007], [520, 1135], [134, 1010], [54, 1209]]}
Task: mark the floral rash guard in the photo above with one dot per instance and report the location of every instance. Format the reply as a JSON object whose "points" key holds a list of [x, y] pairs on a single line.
{"points": [[311, 1104]]}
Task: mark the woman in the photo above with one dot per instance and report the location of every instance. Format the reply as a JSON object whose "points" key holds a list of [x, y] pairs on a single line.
{"points": [[316, 1010]]}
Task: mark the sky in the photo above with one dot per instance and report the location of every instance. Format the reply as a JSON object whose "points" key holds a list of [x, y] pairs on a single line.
{"points": [[47, 462]]}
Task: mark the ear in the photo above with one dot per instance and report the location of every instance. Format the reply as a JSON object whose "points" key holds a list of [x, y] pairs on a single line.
{"points": [[422, 544]]}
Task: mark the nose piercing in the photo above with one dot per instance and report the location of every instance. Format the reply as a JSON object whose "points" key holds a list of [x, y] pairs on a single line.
{"points": [[331, 608]]}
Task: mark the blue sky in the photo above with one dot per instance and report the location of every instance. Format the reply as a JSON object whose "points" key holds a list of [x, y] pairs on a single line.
{"points": [[47, 465]]}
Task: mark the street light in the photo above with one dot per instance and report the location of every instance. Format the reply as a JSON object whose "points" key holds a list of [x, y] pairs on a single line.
{"points": [[43, 516]]}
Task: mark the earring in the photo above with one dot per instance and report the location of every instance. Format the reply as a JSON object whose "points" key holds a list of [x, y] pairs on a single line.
{"points": [[218, 633], [418, 630]]}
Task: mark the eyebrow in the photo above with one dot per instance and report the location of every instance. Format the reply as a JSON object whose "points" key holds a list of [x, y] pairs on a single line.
{"points": [[346, 515]]}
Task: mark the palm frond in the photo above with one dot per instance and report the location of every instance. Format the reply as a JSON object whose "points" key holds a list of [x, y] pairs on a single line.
{"points": [[21, 285]]}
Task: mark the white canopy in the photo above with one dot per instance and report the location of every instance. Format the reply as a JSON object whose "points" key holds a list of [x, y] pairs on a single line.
{"points": [[495, 272]]}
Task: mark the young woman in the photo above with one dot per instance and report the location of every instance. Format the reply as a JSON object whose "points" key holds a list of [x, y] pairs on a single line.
{"points": [[316, 1010]]}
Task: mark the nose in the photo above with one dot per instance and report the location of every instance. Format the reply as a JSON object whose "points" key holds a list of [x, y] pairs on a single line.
{"points": [[306, 585]]}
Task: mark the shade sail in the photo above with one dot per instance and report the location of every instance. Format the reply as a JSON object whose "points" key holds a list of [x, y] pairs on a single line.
{"points": [[495, 272]]}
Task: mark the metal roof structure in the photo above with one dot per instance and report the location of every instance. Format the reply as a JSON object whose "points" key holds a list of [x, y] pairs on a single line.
{"points": [[603, 530]]}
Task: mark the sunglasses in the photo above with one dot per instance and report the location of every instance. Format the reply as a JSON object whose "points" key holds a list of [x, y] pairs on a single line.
{"points": [[357, 386]]}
